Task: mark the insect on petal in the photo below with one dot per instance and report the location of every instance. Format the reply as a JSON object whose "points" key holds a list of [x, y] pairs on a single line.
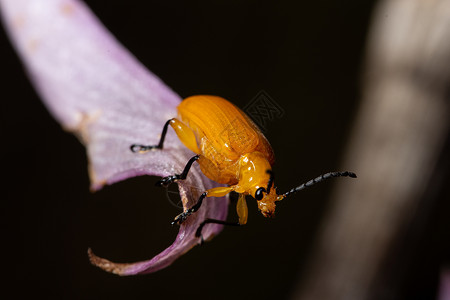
{"points": [[99, 91]]}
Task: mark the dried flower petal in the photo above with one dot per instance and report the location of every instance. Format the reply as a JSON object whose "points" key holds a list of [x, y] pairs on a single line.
{"points": [[95, 88]]}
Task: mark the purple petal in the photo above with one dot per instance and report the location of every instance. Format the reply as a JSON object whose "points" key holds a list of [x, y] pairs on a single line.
{"points": [[95, 88], [444, 285]]}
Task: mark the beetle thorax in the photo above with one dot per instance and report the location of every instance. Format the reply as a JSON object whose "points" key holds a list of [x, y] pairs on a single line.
{"points": [[252, 172], [252, 176]]}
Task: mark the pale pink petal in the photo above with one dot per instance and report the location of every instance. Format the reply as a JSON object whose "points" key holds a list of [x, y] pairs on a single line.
{"points": [[95, 88]]}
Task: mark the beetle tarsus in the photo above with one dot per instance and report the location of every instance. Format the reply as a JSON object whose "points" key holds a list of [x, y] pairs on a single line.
{"points": [[135, 148], [183, 216], [166, 181], [180, 218]]}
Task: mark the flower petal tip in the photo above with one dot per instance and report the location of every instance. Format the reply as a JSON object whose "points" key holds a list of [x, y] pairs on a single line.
{"points": [[106, 265]]}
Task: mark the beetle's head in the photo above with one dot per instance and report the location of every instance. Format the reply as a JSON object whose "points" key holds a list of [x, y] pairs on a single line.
{"points": [[267, 203], [266, 195]]}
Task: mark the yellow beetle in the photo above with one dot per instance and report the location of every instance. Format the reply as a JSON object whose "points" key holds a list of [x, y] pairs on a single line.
{"points": [[230, 150]]}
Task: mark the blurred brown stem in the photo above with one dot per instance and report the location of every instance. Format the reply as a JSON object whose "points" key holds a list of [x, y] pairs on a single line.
{"points": [[397, 138]]}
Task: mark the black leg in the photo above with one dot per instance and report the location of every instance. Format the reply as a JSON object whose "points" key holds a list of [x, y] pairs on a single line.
{"points": [[198, 233], [182, 217], [143, 148], [165, 181]]}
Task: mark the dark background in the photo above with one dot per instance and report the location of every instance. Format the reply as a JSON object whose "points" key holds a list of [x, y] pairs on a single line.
{"points": [[306, 55]]}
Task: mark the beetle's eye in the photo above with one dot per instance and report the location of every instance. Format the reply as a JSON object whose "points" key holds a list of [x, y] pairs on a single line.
{"points": [[259, 193]]}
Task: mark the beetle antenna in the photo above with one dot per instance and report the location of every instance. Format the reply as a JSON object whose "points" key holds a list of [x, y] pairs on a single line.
{"points": [[270, 183], [316, 180]]}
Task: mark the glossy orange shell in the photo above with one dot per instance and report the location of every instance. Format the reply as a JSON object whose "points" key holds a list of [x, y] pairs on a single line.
{"points": [[224, 133]]}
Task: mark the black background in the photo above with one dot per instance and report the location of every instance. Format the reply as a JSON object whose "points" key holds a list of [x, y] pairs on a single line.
{"points": [[306, 55]]}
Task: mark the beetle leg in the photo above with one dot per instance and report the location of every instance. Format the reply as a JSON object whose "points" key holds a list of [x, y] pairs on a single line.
{"points": [[242, 213], [165, 181], [184, 133], [145, 148], [214, 192], [198, 233]]}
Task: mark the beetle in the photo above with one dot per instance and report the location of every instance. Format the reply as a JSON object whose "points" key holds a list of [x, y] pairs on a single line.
{"points": [[230, 149]]}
